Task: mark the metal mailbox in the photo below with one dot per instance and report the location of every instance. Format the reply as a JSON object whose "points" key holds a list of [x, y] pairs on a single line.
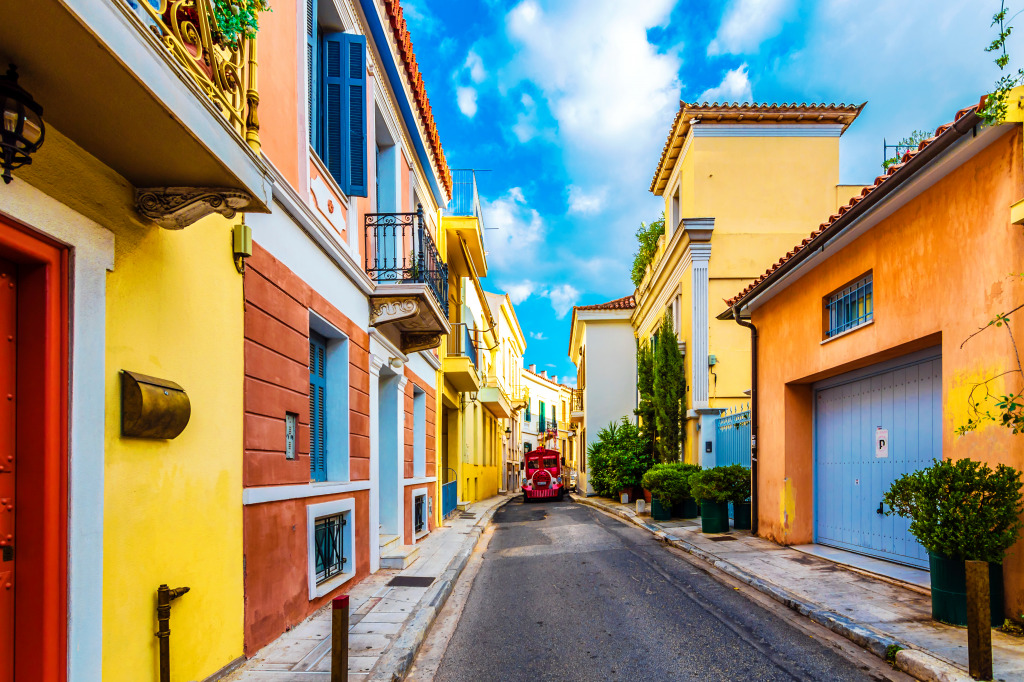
{"points": [[152, 407]]}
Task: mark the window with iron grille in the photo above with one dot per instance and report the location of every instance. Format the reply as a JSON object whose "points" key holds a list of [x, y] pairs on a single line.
{"points": [[850, 307], [329, 541], [420, 521]]}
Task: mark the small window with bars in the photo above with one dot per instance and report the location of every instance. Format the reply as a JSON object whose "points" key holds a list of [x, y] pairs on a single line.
{"points": [[420, 516], [849, 308], [329, 542]]}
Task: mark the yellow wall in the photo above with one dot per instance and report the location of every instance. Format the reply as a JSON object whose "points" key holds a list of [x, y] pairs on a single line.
{"points": [[173, 511]]}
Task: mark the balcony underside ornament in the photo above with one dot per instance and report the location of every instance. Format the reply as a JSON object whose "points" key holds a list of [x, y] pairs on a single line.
{"points": [[417, 341], [178, 207], [389, 309]]}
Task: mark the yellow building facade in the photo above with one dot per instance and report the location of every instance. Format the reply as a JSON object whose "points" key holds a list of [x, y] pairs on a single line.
{"points": [[505, 387], [740, 184]]}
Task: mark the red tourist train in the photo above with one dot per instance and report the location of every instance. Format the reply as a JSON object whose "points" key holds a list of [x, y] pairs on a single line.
{"points": [[543, 475]]}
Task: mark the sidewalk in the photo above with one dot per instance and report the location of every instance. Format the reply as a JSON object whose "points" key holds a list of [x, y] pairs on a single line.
{"points": [[386, 624], [873, 612]]}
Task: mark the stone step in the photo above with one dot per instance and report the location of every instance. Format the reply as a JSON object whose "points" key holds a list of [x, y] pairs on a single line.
{"points": [[400, 556], [388, 542]]}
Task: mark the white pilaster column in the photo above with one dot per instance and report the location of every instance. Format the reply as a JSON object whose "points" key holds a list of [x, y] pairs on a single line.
{"points": [[699, 231], [400, 453], [375, 364]]}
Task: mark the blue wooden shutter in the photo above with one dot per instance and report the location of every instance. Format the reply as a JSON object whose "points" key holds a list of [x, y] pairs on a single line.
{"points": [[312, 75], [543, 412], [317, 407], [355, 90], [332, 106]]}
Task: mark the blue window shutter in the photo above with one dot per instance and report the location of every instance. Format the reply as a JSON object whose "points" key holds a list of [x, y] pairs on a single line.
{"points": [[312, 75], [317, 407], [355, 91], [333, 108]]}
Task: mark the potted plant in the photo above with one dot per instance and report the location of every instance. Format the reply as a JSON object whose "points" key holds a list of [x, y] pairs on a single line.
{"points": [[712, 487], [668, 485], [687, 507], [961, 511], [739, 495]]}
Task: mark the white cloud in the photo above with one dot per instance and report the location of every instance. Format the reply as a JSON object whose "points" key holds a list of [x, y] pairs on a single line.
{"points": [[735, 87], [466, 98], [519, 291], [748, 23], [513, 231], [475, 65], [563, 298], [586, 204], [609, 90], [538, 336]]}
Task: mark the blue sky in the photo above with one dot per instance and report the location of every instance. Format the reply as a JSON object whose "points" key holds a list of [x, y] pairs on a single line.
{"points": [[567, 103]]}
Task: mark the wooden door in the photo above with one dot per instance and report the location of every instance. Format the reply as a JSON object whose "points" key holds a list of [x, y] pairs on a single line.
{"points": [[8, 508]]}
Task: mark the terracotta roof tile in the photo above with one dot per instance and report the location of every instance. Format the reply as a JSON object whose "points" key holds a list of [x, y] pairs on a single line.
{"points": [[393, 8], [624, 303], [853, 201]]}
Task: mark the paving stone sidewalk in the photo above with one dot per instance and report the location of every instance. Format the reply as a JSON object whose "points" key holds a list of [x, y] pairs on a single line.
{"points": [[871, 611], [386, 624]]}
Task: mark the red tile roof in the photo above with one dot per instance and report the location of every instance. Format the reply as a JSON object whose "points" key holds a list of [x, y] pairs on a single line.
{"points": [[419, 90], [829, 225], [711, 113], [624, 303]]}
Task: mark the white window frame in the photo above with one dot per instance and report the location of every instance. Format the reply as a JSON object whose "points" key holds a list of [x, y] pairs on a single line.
{"points": [[420, 492], [419, 432], [346, 507]]}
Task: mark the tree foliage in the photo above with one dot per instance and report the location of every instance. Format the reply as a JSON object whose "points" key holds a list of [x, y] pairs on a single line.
{"points": [[647, 236], [618, 458], [962, 510], [995, 105], [669, 393], [645, 410]]}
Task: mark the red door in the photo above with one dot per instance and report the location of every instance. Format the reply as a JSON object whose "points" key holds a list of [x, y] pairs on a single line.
{"points": [[8, 415]]}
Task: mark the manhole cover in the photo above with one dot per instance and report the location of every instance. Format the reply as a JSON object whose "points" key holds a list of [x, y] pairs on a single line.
{"points": [[722, 538], [411, 581]]}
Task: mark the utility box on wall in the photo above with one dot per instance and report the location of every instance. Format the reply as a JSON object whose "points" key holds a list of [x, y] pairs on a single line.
{"points": [[152, 407]]}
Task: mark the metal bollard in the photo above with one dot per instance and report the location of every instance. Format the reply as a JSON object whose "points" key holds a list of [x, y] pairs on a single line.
{"points": [[339, 639], [979, 621]]}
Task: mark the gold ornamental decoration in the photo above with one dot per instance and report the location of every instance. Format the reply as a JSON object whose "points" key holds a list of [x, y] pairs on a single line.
{"points": [[226, 71]]}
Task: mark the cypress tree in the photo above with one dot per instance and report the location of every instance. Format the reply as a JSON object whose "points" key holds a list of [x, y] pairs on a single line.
{"points": [[645, 387], [669, 390]]}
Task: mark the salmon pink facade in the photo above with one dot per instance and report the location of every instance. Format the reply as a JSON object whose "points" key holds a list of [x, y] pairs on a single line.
{"points": [[866, 352]]}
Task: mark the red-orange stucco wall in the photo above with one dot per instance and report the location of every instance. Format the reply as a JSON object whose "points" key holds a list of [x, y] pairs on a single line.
{"points": [[941, 268]]}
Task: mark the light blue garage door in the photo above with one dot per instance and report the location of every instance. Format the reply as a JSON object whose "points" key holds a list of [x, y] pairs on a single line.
{"points": [[870, 428]]}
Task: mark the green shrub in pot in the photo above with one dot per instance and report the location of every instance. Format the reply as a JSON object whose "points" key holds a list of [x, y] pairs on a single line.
{"points": [[713, 487], [739, 494], [668, 485], [959, 511]]}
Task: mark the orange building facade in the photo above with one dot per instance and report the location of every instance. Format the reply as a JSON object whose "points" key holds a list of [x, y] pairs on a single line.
{"points": [[865, 353]]}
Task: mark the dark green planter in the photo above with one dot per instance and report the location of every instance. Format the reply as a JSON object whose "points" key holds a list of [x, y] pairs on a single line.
{"points": [[714, 517], [949, 590], [741, 515], [687, 509], [659, 511]]}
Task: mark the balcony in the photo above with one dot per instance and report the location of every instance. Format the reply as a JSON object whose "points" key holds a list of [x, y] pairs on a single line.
{"points": [[460, 364], [519, 397], [409, 303], [464, 224], [149, 88], [576, 406], [494, 398]]}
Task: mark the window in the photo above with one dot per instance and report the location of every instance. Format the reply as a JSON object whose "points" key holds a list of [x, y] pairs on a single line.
{"points": [[419, 432], [329, 547], [543, 412], [328, 402], [849, 308], [528, 417], [317, 406], [336, 98], [550, 462], [420, 513]]}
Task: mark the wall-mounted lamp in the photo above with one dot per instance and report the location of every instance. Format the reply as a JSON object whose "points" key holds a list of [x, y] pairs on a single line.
{"points": [[396, 363], [22, 129], [241, 244], [472, 397], [508, 430]]}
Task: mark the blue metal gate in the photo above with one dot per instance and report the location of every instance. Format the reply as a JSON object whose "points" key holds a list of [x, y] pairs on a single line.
{"points": [[901, 405], [449, 498], [732, 437]]}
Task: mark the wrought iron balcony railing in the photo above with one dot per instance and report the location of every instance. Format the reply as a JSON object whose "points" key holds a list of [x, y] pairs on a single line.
{"points": [[461, 343], [399, 249], [225, 70]]}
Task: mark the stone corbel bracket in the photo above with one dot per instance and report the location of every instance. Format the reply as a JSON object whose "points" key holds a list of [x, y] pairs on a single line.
{"points": [[175, 208], [417, 341], [390, 309]]}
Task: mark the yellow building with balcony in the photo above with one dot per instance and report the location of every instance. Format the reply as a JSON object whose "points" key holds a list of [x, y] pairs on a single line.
{"points": [[740, 184]]}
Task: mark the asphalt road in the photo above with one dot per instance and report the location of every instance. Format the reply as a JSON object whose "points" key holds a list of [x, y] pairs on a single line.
{"points": [[567, 593]]}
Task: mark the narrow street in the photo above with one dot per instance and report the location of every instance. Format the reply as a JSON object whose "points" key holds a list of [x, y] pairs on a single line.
{"points": [[567, 593]]}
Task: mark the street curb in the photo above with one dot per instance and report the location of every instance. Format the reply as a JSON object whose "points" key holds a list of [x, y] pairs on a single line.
{"points": [[397, 660], [916, 663]]}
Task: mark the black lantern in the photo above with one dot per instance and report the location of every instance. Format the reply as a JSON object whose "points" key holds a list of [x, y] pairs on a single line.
{"points": [[22, 131]]}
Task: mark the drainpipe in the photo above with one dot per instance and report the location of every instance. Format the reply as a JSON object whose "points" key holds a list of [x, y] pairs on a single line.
{"points": [[753, 416], [164, 597]]}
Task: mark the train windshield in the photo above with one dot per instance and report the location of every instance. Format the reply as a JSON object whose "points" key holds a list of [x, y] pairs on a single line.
{"points": [[550, 462], [533, 463]]}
